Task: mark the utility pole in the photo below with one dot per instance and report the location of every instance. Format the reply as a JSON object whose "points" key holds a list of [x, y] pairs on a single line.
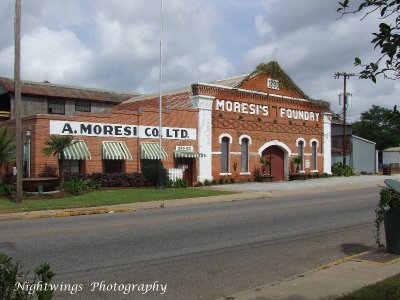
{"points": [[345, 77], [17, 102]]}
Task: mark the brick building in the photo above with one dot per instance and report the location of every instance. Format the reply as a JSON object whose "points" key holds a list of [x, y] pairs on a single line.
{"points": [[210, 131]]}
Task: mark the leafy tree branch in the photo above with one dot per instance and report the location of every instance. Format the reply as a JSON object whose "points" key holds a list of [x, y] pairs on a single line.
{"points": [[387, 38]]}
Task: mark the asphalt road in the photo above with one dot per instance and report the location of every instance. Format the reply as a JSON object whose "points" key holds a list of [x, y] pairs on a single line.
{"points": [[194, 252]]}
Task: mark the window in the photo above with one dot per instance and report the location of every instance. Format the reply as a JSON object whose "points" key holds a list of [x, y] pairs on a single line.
{"points": [[71, 166], [113, 166], [56, 106], [314, 155], [225, 155], [82, 105], [300, 151], [245, 155]]}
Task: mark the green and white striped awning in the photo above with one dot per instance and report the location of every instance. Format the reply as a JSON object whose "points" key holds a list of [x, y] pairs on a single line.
{"points": [[188, 154], [152, 151], [77, 151], [116, 151]]}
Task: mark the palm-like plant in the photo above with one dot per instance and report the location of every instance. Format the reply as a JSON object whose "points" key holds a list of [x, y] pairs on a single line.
{"points": [[7, 147], [297, 161], [55, 145]]}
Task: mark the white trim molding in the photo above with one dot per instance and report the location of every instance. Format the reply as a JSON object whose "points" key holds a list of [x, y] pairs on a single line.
{"points": [[300, 139], [314, 140], [245, 136], [225, 135], [204, 133], [326, 142], [286, 153]]}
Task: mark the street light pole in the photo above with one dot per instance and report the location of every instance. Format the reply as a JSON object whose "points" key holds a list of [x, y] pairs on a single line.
{"points": [[345, 77]]}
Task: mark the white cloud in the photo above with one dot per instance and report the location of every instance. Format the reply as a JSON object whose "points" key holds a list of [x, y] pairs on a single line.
{"points": [[115, 44], [56, 56]]}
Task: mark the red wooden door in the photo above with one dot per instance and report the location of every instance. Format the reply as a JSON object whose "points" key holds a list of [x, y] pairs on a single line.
{"points": [[276, 156]]}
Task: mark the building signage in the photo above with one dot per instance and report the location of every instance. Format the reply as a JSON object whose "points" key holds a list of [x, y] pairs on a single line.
{"points": [[184, 148], [299, 114], [241, 107], [259, 109], [119, 130], [273, 84]]}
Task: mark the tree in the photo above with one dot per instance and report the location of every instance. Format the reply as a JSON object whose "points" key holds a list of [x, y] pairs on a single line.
{"points": [[380, 125], [387, 38], [55, 145], [7, 147]]}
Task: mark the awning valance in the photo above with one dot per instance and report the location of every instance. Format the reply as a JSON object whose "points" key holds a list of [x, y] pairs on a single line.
{"points": [[116, 151], [77, 151], [152, 151], [188, 154]]}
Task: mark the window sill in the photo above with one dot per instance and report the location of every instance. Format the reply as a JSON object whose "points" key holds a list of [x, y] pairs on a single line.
{"points": [[225, 174], [245, 173]]}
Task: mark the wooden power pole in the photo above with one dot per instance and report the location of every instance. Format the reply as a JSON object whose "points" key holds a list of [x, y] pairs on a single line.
{"points": [[345, 77]]}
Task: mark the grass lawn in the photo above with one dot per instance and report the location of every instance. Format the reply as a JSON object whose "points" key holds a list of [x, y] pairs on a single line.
{"points": [[106, 197], [388, 289]]}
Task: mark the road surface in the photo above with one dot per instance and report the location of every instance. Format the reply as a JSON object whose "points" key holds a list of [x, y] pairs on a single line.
{"points": [[194, 252]]}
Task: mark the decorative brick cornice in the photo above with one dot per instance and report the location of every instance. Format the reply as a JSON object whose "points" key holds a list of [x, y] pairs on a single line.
{"points": [[235, 93], [264, 127]]}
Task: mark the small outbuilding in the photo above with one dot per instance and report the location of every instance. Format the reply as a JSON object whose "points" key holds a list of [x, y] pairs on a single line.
{"points": [[391, 157]]}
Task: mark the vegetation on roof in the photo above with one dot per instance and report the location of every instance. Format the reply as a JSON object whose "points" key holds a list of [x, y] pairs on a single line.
{"points": [[322, 103], [273, 68]]}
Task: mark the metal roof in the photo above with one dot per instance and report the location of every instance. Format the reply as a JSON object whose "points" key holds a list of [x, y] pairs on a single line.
{"points": [[392, 149], [47, 89], [176, 98]]}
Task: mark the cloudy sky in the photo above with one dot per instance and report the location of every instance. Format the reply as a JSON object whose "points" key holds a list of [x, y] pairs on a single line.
{"points": [[115, 44]]}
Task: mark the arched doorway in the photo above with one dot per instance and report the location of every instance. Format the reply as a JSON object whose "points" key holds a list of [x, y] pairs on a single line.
{"points": [[276, 156]]}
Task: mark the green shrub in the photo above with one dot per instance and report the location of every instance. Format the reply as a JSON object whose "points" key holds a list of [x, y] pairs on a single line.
{"points": [[232, 180], [338, 169], [214, 182], [74, 186], [13, 281], [93, 184], [221, 181], [152, 176], [98, 180], [180, 183], [6, 189], [207, 182]]}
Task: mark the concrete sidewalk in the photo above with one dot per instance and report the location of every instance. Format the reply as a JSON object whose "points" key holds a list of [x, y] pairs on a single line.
{"points": [[327, 282]]}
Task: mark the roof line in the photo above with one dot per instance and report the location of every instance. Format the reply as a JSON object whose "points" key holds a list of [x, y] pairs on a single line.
{"points": [[49, 84], [252, 92], [365, 140]]}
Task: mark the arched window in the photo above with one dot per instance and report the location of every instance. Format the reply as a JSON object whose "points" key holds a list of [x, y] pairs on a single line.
{"points": [[300, 151], [244, 155], [314, 155], [225, 141]]}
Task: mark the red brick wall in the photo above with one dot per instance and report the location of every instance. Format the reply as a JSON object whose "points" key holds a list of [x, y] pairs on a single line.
{"points": [[41, 132], [262, 128]]}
